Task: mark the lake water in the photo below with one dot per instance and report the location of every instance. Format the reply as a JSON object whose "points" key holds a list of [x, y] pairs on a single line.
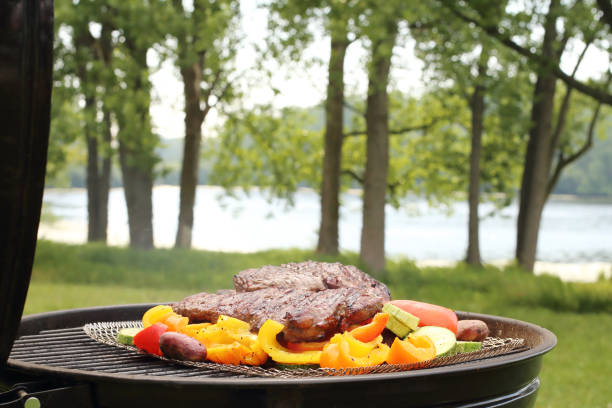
{"points": [[572, 231]]}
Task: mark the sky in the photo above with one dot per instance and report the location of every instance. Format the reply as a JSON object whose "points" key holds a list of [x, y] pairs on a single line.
{"points": [[303, 86], [300, 86]]}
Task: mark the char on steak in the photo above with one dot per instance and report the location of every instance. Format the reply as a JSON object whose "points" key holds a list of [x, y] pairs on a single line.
{"points": [[313, 300], [309, 275]]}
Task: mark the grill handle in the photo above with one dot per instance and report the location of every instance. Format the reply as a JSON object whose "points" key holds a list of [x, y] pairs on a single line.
{"points": [[47, 395]]}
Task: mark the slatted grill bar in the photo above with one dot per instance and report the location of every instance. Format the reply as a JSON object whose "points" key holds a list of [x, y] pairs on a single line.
{"points": [[71, 348]]}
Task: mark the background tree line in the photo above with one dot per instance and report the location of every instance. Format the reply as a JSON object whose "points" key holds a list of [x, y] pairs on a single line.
{"points": [[498, 118]]}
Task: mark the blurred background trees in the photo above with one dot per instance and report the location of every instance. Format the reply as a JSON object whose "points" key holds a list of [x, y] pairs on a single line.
{"points": [[502, 112]]}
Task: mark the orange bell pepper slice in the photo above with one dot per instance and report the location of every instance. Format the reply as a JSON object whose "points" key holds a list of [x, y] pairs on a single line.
{"points": [[232, 353], [345, 352], [412, 350], [372, 330], [192, 330], [175, 322]]}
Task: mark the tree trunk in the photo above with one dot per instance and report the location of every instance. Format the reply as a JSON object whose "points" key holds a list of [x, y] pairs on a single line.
{"points": [[93, 229], [138, 189], [137, 158], [377, 153], [191, 153], [332, 158], [105, 178], [477, 108], [539, 154], [98, 180]]}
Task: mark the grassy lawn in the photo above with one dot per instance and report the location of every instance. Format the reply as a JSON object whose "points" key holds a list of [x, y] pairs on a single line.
{"points": [[575, 374]]}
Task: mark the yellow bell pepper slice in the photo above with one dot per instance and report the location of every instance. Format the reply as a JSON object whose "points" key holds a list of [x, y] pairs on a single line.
{"points": [[211, 335], [156, 314], [192, 330], [267, 339], [232, 324], [229, 341]]}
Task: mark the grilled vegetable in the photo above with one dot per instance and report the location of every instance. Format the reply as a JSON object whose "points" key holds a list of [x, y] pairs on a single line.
{"points": [[175, 322], [443, 339], [428, 314], [472, 330], [405, 318], [414, 349], [400, 322], [192, 330], [307, 346], [468, 346], [156, 314], [126, 335], [230, 341], [372, 330], [344, 351], [148, 339], [181, 347], [164, 314], [267, 339], [399, 329]]}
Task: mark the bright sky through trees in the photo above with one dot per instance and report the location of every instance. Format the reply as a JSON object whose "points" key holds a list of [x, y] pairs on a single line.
{"points": [[304, 84]]}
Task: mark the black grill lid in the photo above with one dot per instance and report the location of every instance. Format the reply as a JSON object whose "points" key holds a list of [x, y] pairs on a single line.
{"points": [[26, 45]]}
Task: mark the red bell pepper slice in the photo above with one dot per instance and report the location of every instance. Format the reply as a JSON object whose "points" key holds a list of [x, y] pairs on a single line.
{"points": [[428, 314], [148, 339]]}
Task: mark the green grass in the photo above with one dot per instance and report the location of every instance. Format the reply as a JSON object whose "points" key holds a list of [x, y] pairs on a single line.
{"points": [[575, 374]]}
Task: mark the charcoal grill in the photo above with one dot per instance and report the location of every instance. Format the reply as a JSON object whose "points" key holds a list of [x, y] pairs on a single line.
{"points": [[47, 360]]}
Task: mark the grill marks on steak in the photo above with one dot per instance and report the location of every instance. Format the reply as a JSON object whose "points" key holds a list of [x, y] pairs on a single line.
{"points": [[252, 307], [311, 275], [308, 298]]}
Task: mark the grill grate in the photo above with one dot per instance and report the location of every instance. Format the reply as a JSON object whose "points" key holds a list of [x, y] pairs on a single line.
{"points": [[87, 348], [71, 348]]}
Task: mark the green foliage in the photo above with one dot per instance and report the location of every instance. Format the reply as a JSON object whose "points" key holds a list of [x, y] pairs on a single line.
{"points": [[66, 128], [459, 59], [427, 147], [206, 33], [274, 151], [482, 290], [101, 66], [592, 174], [461, 287]]}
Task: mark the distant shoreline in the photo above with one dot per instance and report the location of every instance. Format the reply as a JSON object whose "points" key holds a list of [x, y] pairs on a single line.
{"points": [[600, 199], [574, 240], [566, 271]]}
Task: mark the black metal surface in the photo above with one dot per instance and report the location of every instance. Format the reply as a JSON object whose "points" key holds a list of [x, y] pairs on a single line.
{"points": [[26, 43], [52, 345], [47, 394]]}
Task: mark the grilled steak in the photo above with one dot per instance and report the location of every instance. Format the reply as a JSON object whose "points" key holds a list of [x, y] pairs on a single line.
{"points": [[313, 300], [307, 315], [309, 275]]}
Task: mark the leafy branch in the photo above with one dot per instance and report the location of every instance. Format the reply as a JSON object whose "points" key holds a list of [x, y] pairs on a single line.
{"points": [[493, 31]]}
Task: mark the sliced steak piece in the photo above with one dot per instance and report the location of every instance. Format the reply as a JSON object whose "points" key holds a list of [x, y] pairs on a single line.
{"points": [[253, 307], [309, 275], [324, 313], [281, 277], [307, 315]]}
